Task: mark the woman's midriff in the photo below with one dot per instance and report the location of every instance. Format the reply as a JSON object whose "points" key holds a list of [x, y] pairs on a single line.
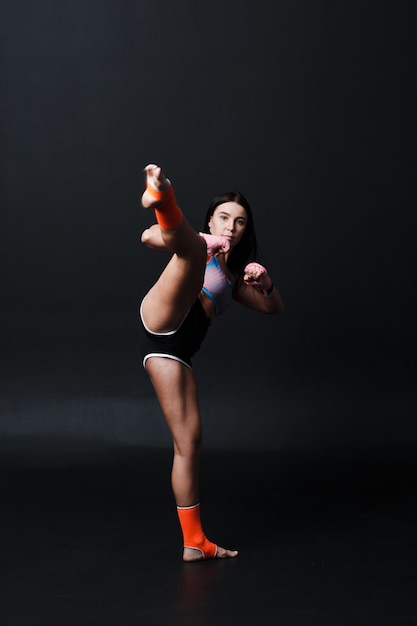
{"points": [[208, 306]]}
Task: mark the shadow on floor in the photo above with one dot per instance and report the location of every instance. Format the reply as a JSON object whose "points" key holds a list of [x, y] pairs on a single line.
{"points": [[89, 535]]}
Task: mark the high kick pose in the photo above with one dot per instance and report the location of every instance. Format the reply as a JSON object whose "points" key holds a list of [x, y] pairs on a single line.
{"points": [[206, 270]]}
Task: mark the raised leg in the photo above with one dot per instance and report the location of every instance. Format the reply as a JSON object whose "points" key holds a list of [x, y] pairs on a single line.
{"points": [[168, 301]]}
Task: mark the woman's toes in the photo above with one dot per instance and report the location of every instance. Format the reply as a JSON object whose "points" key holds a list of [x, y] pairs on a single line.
{"points": [[156, 178], [222, 553], [155, 182]]}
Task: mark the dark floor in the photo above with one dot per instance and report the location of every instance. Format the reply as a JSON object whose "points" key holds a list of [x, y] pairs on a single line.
{"points": [[88, 527], [90, 536]]}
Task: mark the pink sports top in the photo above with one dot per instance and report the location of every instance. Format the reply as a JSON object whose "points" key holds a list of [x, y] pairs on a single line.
{"points": [[217, 286]]}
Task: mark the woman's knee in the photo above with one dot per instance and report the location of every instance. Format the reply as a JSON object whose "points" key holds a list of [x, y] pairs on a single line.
{"points": [[189, 448]]}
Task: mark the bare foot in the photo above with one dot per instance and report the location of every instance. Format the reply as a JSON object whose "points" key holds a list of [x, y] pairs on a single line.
{"points": [[190, 554], [156, 179]]}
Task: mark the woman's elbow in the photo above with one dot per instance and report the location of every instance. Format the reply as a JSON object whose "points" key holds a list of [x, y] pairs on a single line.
{"points": [[278, 305], [277, 310]]}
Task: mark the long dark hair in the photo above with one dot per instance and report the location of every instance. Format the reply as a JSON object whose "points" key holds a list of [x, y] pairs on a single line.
{"points": [[247, 248]]}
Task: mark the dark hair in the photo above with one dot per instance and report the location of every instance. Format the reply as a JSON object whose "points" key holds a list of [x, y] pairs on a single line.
{"points": [[247, 248]]}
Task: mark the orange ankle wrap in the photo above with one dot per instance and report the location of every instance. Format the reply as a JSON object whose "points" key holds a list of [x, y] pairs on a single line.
{"points": [[168, 214], [192, 531]]}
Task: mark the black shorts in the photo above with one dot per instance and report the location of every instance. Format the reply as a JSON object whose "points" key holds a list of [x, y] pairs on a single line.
{"points": [[180, 344]]}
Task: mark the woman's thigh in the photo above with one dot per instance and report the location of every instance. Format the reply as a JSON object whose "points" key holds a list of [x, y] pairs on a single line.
{"points": [[176, 390], [166, 304]]}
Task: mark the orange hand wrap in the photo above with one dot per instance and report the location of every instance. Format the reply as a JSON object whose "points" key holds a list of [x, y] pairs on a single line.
{"points": [[168, 214], [192, 531]]}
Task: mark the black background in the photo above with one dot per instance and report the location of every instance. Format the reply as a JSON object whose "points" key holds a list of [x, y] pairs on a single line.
{"points": [[308, 109]]}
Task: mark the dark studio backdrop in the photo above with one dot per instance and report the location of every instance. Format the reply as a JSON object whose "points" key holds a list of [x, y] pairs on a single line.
{"points": [[308, 109]]}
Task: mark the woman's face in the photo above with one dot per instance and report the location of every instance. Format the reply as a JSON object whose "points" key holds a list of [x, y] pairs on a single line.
{"points": [[229, 220]]}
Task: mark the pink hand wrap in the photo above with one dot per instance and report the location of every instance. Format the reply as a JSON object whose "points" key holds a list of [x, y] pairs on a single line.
{"points": [[256, 275], [215, 244]]}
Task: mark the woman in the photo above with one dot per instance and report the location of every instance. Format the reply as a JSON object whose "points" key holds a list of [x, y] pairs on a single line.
{"points": [[205, 271]]}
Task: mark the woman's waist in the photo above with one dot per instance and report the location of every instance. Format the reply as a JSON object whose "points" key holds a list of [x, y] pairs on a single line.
{"points": [[208, 306]]}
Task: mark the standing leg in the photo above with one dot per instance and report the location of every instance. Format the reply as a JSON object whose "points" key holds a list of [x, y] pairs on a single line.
{"points": [[179, 403]]}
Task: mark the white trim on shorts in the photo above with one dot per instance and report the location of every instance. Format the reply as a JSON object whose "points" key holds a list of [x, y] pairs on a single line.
{"points": [[162, 354], [170, 332]]}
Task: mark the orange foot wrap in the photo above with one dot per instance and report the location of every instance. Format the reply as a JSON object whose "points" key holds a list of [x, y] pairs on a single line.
{"points": [[168, 214], [192, 531]]}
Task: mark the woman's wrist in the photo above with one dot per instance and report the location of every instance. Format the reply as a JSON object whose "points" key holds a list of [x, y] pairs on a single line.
{"points": [[267, 292]]}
